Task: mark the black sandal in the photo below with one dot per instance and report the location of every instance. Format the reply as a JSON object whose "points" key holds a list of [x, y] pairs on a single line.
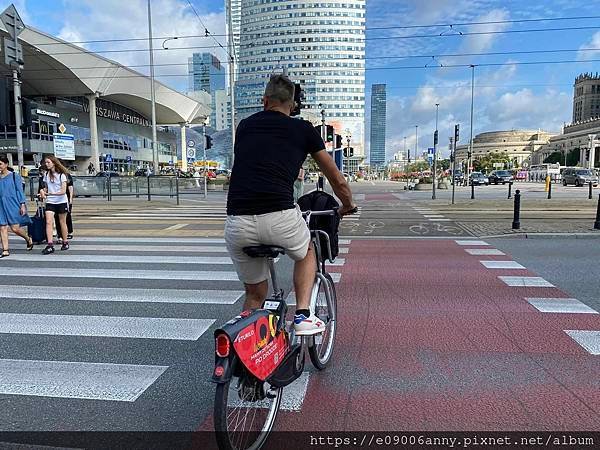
{"points": [[29, 244], [5, 253]]}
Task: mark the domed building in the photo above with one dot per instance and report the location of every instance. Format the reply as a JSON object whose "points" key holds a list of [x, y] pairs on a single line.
{"points": [[517, 144]]}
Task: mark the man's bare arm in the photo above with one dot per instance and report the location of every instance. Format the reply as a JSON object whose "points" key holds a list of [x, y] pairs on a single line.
{"points": [[336, 179]]}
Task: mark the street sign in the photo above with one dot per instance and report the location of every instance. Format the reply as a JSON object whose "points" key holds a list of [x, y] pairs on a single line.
{"points": [[191, 152], [62, 128], [191, 160], [191, 143], [64, 146], [128, 158], [13, 52], [108, 158]]}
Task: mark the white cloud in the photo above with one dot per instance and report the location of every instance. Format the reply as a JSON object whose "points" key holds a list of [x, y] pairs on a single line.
{"points": [[115, 19], [593, 43]]}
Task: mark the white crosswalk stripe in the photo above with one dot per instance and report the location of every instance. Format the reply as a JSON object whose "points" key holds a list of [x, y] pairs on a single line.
{"points": [[201, 274]]}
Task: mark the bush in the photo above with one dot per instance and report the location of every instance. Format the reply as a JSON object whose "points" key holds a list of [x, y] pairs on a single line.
{"points": [[426, 180]]}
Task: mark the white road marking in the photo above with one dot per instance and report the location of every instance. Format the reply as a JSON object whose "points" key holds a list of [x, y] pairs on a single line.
{"points": [[336, 277], [560, 305], [94, 294], [104, 326], [484, 252], [124, 274], [502, 265], [439, 220], [64, 379], [433, 216], [344, 250], [526, 281], [589, 340], [292, 400], [179, 226], [135, 259], [466, 242], [337, 262]]}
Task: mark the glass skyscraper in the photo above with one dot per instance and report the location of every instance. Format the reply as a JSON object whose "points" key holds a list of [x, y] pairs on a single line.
{"points": [[323, 47], [378, 118], [206, 73]]}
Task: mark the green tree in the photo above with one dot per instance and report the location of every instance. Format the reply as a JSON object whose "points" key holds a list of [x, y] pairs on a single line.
{"points": [[444, 164], [573, 157], [418, 166], [486, 163], [556, 157]]}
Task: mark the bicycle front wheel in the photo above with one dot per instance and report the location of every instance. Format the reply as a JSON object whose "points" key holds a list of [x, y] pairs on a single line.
{"points": [[325, 308], [245, 411]]}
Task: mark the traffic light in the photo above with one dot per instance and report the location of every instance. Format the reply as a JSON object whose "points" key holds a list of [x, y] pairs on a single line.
{"points": [[456, 132], [346, 155], [338, 141], [330, 133], [298, 99], [435, 138], [209, 142]]}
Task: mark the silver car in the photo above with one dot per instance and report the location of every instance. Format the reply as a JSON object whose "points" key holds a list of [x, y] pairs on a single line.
{"points": [[578, 176]]}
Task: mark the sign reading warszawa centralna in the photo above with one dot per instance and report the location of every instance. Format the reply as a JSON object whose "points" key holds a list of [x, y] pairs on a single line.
{"points": [[116, 112]]}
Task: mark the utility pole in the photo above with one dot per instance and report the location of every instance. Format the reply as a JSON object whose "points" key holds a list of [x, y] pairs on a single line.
{"points": [[204, 157], [455, 139], [13, 57], [323, 126], [231, 78], [416, 142], [435, 143], [152, 93], [348, 140], [470, 154]]}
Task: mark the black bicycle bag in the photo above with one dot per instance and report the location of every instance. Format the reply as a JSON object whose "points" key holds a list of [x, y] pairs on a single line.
{"points": [[322, 201]]}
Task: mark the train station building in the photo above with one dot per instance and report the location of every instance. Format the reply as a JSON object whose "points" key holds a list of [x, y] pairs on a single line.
{"points": [[105, 106]]}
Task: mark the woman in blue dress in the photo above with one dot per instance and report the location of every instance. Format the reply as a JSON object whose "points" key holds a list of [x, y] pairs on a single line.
{"points": [[12, 206]]}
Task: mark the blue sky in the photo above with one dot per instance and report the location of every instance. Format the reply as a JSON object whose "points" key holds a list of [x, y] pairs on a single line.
{"points": [[509, 96]]}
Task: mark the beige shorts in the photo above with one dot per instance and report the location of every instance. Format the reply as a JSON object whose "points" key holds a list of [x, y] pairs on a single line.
{"points": [[285, 229]]}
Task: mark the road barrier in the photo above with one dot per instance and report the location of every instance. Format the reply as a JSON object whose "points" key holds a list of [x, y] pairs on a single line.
{"points": [[597, 223], [516, 225]]}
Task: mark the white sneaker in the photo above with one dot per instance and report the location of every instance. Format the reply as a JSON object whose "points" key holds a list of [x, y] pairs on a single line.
{"points": [[307, 326]]}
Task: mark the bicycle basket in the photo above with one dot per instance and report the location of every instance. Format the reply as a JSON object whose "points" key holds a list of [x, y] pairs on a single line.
{"points": [[322, 201]]}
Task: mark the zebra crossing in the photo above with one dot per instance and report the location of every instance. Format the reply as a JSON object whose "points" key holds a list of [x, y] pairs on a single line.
{"points": [[205, 212], [113, 293]]}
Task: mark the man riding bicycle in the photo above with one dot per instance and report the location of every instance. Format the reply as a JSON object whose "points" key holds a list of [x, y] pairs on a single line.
{"points": [[270, 148]]}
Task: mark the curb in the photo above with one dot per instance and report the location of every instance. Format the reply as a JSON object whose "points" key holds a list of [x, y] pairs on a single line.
{"points": [[591, 235]]}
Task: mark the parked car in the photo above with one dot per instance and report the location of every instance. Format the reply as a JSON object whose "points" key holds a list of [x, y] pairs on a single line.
{"points": [[478, 178], [500, 176], [459, 177], [578, 176], [141, 173]]}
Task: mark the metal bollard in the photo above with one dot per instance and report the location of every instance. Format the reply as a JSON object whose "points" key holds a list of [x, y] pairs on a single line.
{"points": [[597, 223], [177, 188], [590, 192], [149, 197], [516, 225], [109, 183], [472, 191], [510, 183], [549, 189]]}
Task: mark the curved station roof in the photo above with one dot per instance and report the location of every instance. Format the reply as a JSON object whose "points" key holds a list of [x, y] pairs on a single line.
{"points": [[54, 67]]}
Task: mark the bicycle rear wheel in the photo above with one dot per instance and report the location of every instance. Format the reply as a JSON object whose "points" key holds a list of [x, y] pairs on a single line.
{"points": [[245, 411], [325, 308]]}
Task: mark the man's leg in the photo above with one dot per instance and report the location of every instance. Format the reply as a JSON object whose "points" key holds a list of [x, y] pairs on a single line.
{"points": [[256, 294], [304, 278]]}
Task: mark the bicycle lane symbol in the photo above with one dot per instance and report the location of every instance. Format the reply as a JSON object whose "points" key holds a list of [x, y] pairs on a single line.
{"points": [[357, 227], [423, 229]]}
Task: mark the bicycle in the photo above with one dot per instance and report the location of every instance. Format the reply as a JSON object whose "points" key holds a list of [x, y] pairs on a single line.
{"points": [[256, 355]]}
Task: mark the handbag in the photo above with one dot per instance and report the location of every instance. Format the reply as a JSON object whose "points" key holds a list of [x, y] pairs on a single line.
{"points": [[24, 220]]}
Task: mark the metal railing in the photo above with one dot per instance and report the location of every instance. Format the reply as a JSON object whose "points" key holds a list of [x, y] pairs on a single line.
{"points": [[130, 186]]}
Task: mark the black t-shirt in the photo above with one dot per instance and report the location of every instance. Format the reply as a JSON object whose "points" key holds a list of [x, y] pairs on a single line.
{"points": [[270, 148]]}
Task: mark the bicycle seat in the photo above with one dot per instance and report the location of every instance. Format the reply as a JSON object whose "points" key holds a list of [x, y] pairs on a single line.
{"points": [[264, 251]]}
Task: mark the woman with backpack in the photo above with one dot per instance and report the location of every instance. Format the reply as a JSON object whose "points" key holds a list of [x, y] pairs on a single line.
{"points": [[55, 194], [13, 210]]}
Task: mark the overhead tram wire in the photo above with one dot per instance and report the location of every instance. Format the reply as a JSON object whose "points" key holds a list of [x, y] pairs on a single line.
{"points": [[208, 33], [395, 27], [366, 69]]}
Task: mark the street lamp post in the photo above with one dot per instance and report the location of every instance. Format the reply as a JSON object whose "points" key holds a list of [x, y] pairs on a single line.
{"points": [[152, 93], [435, 143], [416, 141], [348, 140], [470, 154]]}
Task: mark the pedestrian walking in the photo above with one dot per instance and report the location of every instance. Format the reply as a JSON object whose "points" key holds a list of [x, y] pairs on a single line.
{"points": [[91, 169], [299, 185], [55, 194], [70, 196], [13, 209]]}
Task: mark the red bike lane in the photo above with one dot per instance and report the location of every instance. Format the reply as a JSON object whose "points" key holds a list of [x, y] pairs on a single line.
{"points": [[431, 339]]}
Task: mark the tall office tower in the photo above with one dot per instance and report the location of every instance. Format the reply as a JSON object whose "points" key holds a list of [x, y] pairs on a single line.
{"points": [[205, 73], [322, 45], [378, 118], [586, 97]]}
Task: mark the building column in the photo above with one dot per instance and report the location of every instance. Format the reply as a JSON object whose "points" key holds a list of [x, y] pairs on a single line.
{"points": [[184, 164], [95, 158], [582, 159]]}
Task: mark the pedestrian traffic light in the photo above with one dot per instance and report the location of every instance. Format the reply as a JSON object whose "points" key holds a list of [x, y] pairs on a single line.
{"points": [[456, 132], [209, 142], [298, 99], [350, 153], [338, 141], [330, 133]]}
